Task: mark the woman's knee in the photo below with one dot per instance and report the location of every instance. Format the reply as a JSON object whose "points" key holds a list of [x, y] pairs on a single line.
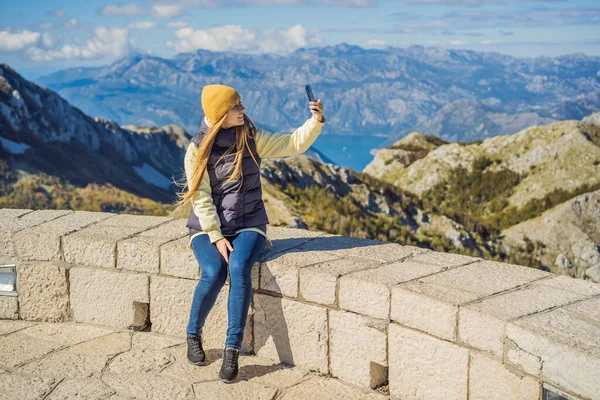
{"points": [[214, 275]]}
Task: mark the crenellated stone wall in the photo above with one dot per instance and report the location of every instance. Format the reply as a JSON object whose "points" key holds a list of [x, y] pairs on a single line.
{"points": [[431, 325]]}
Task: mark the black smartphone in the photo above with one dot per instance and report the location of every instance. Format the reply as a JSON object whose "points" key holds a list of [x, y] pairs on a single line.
{"points": [[309, 93]]}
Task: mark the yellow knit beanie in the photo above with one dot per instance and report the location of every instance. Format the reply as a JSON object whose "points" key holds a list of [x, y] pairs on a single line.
{"points": [[217, 100]]}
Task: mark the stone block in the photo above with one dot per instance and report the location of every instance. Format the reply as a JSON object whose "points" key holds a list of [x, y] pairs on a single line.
{"points": [[318, 283], [43, 292], [424, 367], [358, 349], [141, 254], [284, 238], [444, 260], [328, 388], [279, 273], [368, 292], [482, 323], [95, 246], [431, 303], [291, 332], [177, 259], [565, 342], [42, 242], [109, 298], [171, 301], [9, 307], [142, 222], [171, 230], [347, 247], [16, 220], [490, 380]]}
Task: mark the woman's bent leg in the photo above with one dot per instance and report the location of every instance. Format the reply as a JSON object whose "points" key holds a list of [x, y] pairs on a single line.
{"points": [[247, 247], [213, 275]]}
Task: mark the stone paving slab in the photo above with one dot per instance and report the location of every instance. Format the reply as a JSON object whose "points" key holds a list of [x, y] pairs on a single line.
{"points": [[87, 362]]}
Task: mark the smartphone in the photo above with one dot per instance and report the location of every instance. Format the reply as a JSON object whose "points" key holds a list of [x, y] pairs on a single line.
{"points": [[309, 93]]}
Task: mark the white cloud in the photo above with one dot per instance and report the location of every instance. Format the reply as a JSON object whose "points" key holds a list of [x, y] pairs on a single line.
{"points": [[15, 41], [351, 3], [177, 24], [236, 38], [57, 12], [46, 25], [122, 9], [142, 25], [376, 43], [446, 43], [106, 43], [167, 10], [71, 23], [487, 42], [47, 39], [452, 2]]}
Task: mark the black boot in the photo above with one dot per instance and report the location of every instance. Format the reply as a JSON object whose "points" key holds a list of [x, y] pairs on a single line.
{"points": [[229, 368], [195, 353]]}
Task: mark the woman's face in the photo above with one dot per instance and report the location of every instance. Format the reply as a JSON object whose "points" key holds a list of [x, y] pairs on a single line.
{"points": [[235, 116]]}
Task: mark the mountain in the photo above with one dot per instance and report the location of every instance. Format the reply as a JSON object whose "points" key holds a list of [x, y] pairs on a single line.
{"points": [[572, 248], [523, 190], [457, 95], [54, 155]]}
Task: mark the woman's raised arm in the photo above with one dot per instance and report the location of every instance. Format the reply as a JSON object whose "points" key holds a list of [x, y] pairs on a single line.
{"points": [[273, 145]]}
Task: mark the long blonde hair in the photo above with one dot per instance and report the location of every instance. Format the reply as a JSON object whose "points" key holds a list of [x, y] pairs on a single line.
{"points": [[242, 135]]}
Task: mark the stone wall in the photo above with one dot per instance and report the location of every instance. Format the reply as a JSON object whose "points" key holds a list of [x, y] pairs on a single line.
{"points": [[431, 325]]}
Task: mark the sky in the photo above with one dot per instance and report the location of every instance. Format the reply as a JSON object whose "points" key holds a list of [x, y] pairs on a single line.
{"points": [[39, 37]]}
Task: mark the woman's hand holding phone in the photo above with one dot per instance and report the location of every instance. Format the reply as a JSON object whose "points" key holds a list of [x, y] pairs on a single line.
{"points": [[316, 108]]}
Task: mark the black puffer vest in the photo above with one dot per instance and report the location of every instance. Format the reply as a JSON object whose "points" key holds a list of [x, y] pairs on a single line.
{"points": [[236, 210]]}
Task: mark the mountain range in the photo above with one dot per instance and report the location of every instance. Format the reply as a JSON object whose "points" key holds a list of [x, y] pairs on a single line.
{"points": [[381, 94]]}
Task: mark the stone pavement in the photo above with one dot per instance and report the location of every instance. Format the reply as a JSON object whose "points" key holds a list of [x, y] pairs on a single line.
{"points": [[78, 361]]}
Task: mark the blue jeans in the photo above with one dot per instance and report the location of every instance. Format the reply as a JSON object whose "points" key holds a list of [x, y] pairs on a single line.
{"points": [[247, 246]]}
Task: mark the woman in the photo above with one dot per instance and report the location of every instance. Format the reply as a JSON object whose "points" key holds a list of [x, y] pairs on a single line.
{"points": [[228, 218]]}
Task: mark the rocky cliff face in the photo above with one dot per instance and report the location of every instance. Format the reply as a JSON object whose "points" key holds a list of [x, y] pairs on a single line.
{"points": [[563, 155], [551, 213], [570, 234], [35, 116]]}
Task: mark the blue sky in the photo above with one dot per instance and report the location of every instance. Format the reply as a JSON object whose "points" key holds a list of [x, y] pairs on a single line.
{"points": [[38, 37]]}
